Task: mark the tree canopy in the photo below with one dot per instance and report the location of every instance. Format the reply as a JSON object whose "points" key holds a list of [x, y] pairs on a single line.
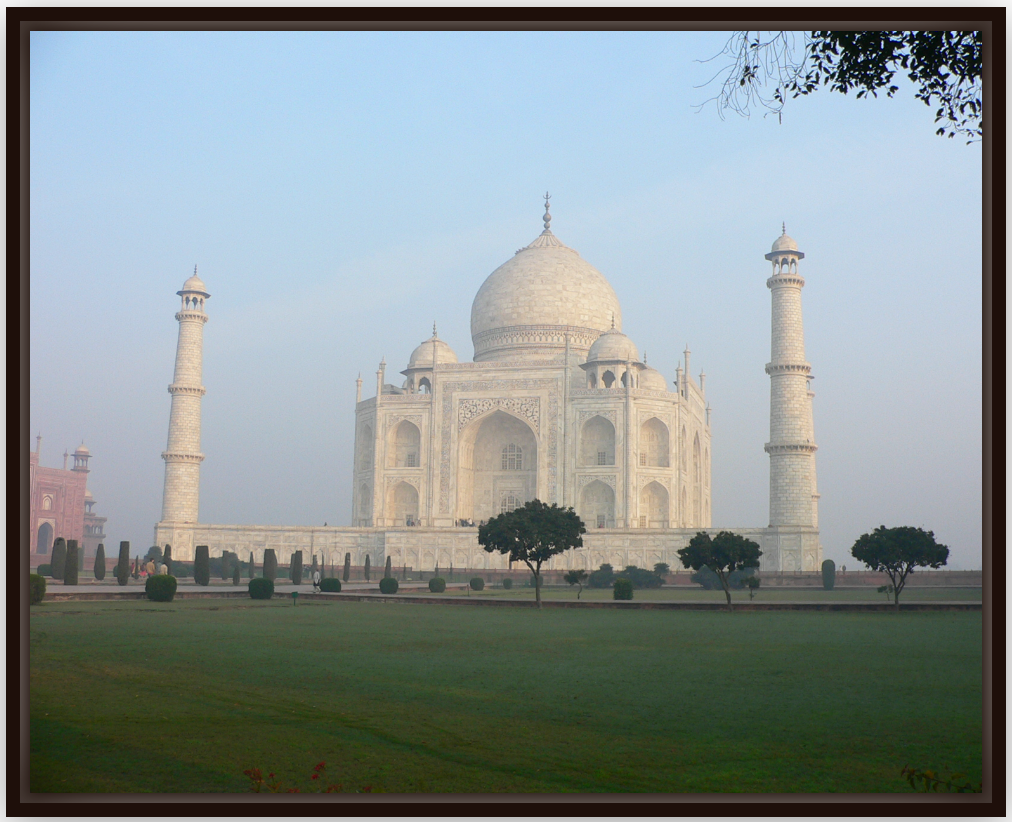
{"points": [[897, 551], [723, 554], [944, 66], [533, 534]]}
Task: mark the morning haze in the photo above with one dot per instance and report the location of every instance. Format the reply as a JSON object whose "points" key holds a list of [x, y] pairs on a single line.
{"points": [[340, 192]]}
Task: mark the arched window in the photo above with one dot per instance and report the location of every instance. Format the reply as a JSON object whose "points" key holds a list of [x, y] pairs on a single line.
{"points": [[424, 386], [608, 379], [45, 538], [597, 442], [592, 380], [509, 502], [512, 458], [654, 443], [406, 441], [47, 503]]}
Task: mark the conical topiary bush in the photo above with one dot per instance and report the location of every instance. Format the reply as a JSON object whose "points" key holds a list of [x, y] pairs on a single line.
{"points": [[366, 567], [295, 568], [201, 565], [347, 568], [59, 562], [123, 563], [70, 568], [270, 565], [167, 559], [100, 562], [386, 571]]}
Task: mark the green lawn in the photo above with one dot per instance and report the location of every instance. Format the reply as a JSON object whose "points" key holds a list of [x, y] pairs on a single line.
{"points": [[139, 696]]}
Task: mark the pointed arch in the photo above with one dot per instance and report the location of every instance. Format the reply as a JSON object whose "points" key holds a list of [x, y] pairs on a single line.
{"points": [[404, 446], [697, 482], [366, 444], [608, 378], [402, 503], [654, 447], [597, 505], [483, 449], [654, 505], [364, 512], [597, 442], [45, 541]]}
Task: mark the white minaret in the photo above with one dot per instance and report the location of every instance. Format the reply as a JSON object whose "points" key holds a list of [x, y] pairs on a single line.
{"points": [[793, 495], [182, 456]]}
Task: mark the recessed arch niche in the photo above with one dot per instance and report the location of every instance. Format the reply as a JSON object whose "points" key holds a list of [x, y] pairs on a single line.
{"points": [[497, 458]]}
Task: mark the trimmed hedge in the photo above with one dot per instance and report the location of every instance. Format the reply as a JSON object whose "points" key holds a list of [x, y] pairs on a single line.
{"points": [[59, 560], [828, 574], [388, 585], [477, 584], [261, 588], [45, 570], [507, 583], [36, 588], [123, 565], [295, 568], [160, 588], [622, 589], [437, 585], [71, 566], [201, 565], [270, 565], [331, 585], [100, 562]]}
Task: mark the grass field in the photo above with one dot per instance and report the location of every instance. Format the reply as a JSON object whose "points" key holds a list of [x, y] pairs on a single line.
{"points": [[138, 696]]}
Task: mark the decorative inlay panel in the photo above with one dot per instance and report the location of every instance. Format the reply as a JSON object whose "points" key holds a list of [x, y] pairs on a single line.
{"points": [[586, 415], [395, 419], [586, 479], [527, 407]]}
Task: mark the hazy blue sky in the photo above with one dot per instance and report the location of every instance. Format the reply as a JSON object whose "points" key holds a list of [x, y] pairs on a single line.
{"points": [[342, 191]]}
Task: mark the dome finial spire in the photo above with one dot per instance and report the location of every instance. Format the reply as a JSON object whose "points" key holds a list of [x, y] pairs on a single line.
{"points": [[613, 320], [433, 329], [783, 227], [547, 217]]}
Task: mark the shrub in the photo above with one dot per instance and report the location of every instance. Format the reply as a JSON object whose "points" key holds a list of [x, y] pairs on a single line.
{"points": [[437, 585], [347, 568], [622, 589], [201, 565], [270, 565], [261, 588], [366, 567], [70, 568], [123, 564], [603, 577], [828, 574], [388, 585], [36, 588], [331, 585], [507, 583], [477, 584], [100, 562], [295, 570], [44, 570], [59, 557], [160, 588], [711, 582], [642, 578]]}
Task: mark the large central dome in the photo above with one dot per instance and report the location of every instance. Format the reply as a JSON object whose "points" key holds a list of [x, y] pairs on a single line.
{"points": [[529, 305]]}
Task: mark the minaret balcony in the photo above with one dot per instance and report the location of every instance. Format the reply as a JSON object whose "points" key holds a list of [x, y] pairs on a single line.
{"points": [[193, 390], [790, 448], [789, 368]]}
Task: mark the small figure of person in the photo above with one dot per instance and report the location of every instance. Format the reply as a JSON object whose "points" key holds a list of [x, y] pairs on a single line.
{"points": [[150, 568], [316, 581], [163, 568]]}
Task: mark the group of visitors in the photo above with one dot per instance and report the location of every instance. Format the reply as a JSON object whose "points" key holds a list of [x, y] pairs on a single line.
{"points": [[150, 569]]}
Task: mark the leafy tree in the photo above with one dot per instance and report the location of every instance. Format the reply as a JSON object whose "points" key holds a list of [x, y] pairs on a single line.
{"points": [[100, 562], [641, 577], [59, 561], [752, 583], [603, 577], [533, 534], [662, 569], [296, 568], [347, 568], [155, 553], [201, 565], [70, 567], [725, 553], [123, 563], [897, 551], [576, 578], [944, 66]]}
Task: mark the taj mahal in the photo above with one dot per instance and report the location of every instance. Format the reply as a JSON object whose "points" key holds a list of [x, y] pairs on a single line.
{"points": [[557, 404]]}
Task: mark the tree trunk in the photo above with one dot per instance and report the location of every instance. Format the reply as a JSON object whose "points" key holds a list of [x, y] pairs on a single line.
{"points": [[537, 585], [727, 593], [579, 592]]}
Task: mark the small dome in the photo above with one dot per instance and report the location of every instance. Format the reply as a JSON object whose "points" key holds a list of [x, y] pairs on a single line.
{"points": [[88, 496], [422, 357], [194, 285], [82, 451], [784, 243], [613, 345], [652, 380]]}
